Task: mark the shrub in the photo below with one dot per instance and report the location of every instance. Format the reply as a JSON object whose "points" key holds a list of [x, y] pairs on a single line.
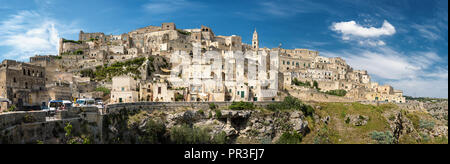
{"points": [[347, 121], [424, 137], [339, 92], [183, 32], [382, 137], [218, 113], [68, 129], [105, 91], [315, 84], [291, 103], [28, 118], [201, 112], [290, 138], [179, 97], [220, 138], [424, 124], [212, 106], [154, 132], [185, 134], [299, 83], [87, 73], [242, 106], [71, 41], [120, 68], [266, 140], [11, 109]]}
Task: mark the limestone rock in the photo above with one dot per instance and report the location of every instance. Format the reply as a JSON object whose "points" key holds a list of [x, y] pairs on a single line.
{"points": [[356, 120]]}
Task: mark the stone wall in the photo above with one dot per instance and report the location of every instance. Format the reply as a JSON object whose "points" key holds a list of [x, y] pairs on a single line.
{"points": [[112, 108], [15, 118], [31, 127]]}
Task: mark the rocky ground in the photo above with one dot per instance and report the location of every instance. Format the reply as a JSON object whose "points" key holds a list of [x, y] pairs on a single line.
{"points": [[331, 123]]}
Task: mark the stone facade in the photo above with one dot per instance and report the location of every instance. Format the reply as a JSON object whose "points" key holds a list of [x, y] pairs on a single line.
{"points": [[23, 84], [124, 89]]}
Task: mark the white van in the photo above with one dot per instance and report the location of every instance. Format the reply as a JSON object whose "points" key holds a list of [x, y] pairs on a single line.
{"points": [[85, 102], [53, 106]]}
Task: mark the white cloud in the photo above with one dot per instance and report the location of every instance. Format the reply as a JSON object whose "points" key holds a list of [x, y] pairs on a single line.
{"points": [[429, 32], [28, 33], [417, 73], [372, 43], [351, 28], [365, 36]]}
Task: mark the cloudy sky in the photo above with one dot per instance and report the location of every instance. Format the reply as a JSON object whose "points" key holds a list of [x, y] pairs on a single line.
{"points": [[403, 42]]}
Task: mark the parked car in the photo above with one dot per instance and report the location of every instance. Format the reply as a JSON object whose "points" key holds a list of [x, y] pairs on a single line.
{"points": [[85, 102], [53, 106], [99, 104]]}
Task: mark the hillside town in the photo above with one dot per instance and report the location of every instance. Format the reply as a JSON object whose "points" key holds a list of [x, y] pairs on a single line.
{"points": [[166, 64]]}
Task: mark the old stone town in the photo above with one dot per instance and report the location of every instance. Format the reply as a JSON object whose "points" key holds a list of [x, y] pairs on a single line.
{"points": [[159, 64]]}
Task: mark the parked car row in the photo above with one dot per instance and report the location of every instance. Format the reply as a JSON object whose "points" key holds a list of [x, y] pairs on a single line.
{"points": [[58, 105]]}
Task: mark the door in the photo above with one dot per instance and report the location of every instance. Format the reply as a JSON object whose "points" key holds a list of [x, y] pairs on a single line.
{"points": [[120, 100]]}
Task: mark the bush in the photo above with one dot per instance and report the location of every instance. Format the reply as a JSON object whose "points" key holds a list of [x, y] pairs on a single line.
{"points": [[105, 91], [382, 137], [185, 134], [71, 41], [87, 73], [154, 132], [291, 103], [12, 108], [218, 113], [212, 106], [183, 32], [220, 138], [28, 118], [201, 112], [242, 106], [339, 92], [299, 83], [290, 138], [120, 68], [424, 124], [179, 97], [316, 85]]}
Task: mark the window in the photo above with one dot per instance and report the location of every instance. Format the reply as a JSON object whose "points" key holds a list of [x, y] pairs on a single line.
{"points": [[159, 90], [14, 79]]}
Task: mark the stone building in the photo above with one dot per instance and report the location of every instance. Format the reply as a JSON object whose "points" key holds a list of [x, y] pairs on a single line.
{"points": [[124, 89], [23, 84]]}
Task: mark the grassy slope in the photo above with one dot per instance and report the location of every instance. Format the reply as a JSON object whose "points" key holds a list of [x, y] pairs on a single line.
{"points": [[338, 132]]}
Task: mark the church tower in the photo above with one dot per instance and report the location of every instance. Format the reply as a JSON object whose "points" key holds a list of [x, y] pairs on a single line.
{"points": [[255, 41]]}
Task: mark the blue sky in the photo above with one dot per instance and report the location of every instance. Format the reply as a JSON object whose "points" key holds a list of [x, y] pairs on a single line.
{"points": [[403, 42]]}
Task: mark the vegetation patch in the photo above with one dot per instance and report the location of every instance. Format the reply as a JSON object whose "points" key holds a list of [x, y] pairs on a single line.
{"points": [[105, 91], [290, 138], [382, 137], [130, 67], [72, 41], [291, 103], [241, 106], [185, 134], [339, 92]]}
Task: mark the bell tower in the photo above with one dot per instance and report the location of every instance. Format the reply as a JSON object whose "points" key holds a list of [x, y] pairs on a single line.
{"points": [[255, 41]]}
